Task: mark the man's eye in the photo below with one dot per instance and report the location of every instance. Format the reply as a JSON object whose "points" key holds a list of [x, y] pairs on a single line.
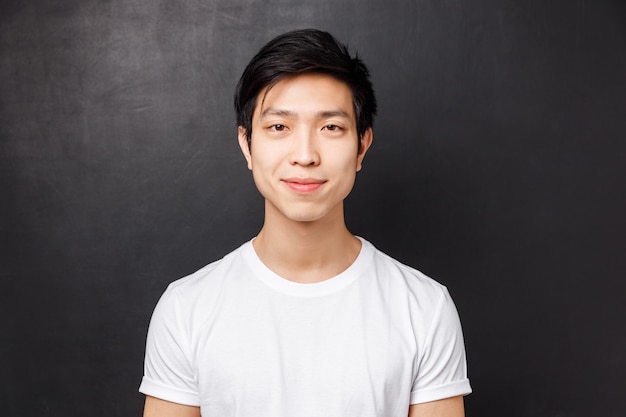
{"points": [[332, 127], [278, 127]]}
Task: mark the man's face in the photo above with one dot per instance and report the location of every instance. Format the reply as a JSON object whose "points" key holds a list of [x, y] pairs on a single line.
{"points": [[304, 151]]}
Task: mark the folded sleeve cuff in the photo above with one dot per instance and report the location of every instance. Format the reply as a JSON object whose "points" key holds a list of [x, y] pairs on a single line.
{"points": [[441, 392], [168, 393]]}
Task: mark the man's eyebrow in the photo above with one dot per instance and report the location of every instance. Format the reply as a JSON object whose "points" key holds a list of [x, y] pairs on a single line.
{"points": [[291, 114], [333, 113], [277, 112]]}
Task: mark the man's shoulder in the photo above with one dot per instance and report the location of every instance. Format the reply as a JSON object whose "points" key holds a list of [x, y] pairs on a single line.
{"points": [[209, 276], [409, 294], [391, 270]]}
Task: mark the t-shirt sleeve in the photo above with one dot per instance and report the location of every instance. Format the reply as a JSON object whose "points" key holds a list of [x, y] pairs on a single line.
{"points": [[168, 370], [441, 368]]}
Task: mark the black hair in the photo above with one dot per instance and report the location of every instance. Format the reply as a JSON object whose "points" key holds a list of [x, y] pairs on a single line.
{"points": [[300, 52]]}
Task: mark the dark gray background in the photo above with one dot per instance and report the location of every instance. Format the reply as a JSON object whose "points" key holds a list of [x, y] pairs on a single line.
{"points": [[498, 168]]}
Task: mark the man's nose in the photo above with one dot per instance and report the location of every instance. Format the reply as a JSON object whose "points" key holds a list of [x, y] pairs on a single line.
{"points": [[304, 150]]}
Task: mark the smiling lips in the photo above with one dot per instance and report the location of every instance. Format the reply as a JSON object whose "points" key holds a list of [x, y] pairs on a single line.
{"points": [[303, 185]]}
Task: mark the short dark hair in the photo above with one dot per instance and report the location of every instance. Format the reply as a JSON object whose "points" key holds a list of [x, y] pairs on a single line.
{"points": [[301, 52]]}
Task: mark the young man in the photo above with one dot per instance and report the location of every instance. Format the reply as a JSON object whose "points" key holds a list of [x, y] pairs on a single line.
{"points": [[306, 319]]}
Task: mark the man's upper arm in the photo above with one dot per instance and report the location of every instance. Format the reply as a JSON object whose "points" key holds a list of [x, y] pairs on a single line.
{"points": [[449, 407], [156, 407], [441, 371], [168, 370]]}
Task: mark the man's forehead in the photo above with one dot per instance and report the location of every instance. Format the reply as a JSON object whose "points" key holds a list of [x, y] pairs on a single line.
{"points": [[273, 101]]}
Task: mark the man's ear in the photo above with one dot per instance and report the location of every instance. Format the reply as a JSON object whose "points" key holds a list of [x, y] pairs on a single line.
{"points": [[244, 145], [366, 142]]}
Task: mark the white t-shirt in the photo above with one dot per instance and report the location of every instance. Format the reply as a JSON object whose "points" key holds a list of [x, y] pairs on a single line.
{"points": [[238, 340]]}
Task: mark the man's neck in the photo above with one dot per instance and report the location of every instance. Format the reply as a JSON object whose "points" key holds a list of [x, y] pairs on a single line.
{"points": [[306, 252]]}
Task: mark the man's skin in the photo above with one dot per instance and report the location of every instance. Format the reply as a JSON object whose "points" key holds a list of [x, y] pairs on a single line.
{"points": [[304, 156]]}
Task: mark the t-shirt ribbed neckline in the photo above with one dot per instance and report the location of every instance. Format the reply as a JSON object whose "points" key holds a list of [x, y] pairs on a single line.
{"points": [[296, 289]]}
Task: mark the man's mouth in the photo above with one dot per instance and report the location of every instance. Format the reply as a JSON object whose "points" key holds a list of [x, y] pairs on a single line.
{"points": [[303, 185]]}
